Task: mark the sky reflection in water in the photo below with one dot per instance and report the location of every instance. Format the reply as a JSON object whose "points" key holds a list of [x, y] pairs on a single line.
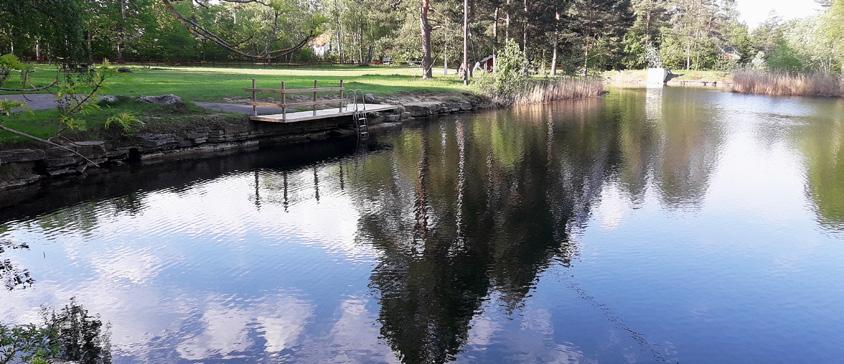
{"points": [[658, 226]]}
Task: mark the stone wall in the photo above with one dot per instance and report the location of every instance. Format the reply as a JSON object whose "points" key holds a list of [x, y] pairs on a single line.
{"points": [[27, 166]]}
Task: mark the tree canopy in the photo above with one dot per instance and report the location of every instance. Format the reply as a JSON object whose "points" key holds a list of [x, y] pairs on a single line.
{"points": [[576, 36]]}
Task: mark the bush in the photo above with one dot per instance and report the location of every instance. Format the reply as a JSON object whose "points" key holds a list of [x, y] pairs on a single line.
{"points": [[8, 63], [510, 76]]}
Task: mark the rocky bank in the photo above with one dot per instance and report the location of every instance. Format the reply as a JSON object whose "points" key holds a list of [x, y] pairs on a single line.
{"points": [[210, 135]]}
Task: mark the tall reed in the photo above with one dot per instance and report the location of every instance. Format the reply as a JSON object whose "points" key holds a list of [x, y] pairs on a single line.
{"points": [[561, 88], [786, 84]]}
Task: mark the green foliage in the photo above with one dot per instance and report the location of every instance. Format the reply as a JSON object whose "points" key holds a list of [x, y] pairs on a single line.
{"points": [[78, 94], [8, 63], [784, 58], [70, 334], [6, 106], [125, 122], [511, 73], [832, 29]]}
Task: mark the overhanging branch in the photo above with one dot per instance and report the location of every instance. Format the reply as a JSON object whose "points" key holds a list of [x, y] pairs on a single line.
{"points": [[201, 31]]}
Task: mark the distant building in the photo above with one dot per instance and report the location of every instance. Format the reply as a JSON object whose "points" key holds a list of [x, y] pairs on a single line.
{"points": [[730, 53], [486, 64], [321, 45]]}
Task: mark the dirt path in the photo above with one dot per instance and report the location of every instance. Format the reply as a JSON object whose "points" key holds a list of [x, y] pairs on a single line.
{"points": [[34, 101]]}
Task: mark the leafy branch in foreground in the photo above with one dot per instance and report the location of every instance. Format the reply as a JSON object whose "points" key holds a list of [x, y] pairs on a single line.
{"points": [[70, 334], [77, 95]]}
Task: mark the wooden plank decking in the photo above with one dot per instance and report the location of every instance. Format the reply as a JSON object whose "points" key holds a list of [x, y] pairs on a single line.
{"points": [[294, 117]]}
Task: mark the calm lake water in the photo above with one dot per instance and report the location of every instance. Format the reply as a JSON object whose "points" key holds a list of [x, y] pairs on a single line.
{"points": [[648, 226]]}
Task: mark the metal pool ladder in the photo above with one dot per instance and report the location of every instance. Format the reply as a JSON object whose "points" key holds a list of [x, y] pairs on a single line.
{"points": [[360, 116]]}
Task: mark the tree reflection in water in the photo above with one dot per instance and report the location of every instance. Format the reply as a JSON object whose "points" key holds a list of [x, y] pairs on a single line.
{"points": [[822, 142], [11, 275], [475, 209], [487, 209]]}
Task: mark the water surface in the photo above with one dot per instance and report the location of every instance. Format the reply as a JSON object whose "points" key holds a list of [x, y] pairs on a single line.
{"points": [[648, 226]]}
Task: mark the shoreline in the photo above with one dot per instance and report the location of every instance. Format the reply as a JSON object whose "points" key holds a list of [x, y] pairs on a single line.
{"points": [[37, 166]]}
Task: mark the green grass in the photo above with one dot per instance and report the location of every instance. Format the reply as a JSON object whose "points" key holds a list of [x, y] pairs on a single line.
{"points": [[219, 84], [43, 123]]}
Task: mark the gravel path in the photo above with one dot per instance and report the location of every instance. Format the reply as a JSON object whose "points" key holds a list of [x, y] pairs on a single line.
{"points": [[48, 101], [34, 101]]}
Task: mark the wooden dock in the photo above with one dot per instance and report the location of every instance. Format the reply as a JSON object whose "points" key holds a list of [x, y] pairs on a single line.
{"points": [[294, 117], [342, 108]]}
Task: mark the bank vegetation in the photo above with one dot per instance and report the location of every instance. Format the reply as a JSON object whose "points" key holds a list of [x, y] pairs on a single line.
{"points": [[786, 84]]}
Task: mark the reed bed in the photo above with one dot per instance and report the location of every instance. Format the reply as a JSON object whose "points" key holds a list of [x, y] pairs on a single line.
{"points": [[562, 88], [786, 84]]}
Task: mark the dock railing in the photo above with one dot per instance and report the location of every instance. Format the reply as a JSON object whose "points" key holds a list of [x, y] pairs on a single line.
{"points": [[283, 91]]}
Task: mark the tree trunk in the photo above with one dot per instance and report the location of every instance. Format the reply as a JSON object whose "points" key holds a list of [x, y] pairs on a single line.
{"points": [[121, 39], [88, 47], [507, 22], [426, 39], [688, 56], [586, 60], [11, 40], [556, 41], [554, 57], [466, 42], [360, 43], [525, 30], [339, 33], [445, 62], [494, 41]]}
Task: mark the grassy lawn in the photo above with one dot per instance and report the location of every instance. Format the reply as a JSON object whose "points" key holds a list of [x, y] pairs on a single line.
{"points": [[43, 123], [216, 84], [219, 84]]}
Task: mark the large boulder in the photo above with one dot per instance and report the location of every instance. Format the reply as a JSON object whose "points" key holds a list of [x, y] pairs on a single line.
{"points": [[21, 155], [108, 100], [162, 100], [422, 108], [157, 142]]}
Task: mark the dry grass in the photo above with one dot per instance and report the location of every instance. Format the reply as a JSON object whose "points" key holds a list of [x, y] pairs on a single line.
{"points": [[786, 84], [560, 89]]}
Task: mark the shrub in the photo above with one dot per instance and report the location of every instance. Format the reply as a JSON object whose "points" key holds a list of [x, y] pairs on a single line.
{"points": [[125, 122], [510, 76], [8, 63]]}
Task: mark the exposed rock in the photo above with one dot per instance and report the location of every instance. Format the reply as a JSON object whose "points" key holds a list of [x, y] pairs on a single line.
{"points": [[422, 108], [162, 100], [154, 142], [210, 136], [370, 99], [17, 175], [108, 100], [21, 155], [198, 136], [92, 149]]}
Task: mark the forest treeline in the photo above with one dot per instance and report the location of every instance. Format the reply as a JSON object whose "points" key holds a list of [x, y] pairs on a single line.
{"points": [[568, 36]]}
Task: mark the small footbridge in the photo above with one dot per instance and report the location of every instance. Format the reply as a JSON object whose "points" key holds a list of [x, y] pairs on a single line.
{"points": [[315, 108]]}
